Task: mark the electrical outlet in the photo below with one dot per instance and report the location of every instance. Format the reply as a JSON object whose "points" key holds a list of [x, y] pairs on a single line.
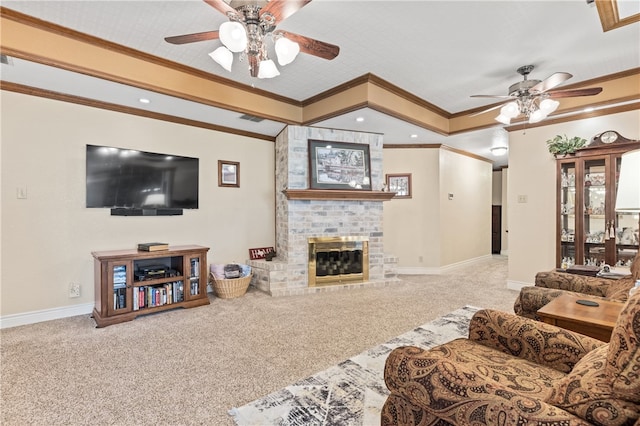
{"points": [[74, 290], [522, 198], [420, 259]]}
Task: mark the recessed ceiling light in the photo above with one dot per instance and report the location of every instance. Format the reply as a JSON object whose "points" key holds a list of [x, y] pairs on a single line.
{"points": [[414, 136], [499, 150], [144, 101], [359, 119]]}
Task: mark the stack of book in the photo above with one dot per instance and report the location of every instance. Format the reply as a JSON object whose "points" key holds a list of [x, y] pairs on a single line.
{"points": [[153, 246]]}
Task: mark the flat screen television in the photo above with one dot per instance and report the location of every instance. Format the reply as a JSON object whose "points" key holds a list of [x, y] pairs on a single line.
{"points": [[132, 182]]}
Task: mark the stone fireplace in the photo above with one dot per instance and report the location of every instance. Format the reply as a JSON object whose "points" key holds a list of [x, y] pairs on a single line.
{"points": [[304, 215]]}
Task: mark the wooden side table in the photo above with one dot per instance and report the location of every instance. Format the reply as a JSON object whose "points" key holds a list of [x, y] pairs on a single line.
{"points": [[593, 321]]}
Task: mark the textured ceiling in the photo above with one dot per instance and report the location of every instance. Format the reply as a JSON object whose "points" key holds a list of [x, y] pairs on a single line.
{"points": [[441, 51]]}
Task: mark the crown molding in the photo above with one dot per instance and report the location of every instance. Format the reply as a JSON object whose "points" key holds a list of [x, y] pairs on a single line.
{"points": [[436, 146], [48, 94], [89, 55]]}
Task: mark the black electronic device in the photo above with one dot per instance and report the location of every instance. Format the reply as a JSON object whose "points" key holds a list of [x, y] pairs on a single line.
{"points": [[587, 302], [152, 272], [138, 183]]}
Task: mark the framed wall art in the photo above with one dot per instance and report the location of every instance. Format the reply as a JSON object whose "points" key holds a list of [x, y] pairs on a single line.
{"points": [[229, 173], [339, 165], [400, 184]]}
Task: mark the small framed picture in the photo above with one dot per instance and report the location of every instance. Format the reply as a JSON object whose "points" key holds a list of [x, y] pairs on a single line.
{"points": [[400, 184], [229, 173]]}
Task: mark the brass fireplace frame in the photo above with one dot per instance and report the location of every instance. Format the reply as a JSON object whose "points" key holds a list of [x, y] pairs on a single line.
{"points": [[348, 243]]}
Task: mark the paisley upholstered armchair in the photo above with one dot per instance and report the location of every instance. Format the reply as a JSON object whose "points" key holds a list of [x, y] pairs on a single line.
{"points": [[551, 284], [513, 371]]}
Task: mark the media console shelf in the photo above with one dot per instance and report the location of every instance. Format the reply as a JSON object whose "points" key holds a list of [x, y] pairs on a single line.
{"points": [[129, 283]]}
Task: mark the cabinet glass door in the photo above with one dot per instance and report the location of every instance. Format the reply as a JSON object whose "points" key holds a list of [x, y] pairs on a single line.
{"points": [[597, 229], [119, 280], [193, 275], [567, 214], [626, 232]]}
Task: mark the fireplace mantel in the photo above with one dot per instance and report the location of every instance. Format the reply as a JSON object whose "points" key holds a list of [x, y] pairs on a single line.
{"points": [[337, 194]]}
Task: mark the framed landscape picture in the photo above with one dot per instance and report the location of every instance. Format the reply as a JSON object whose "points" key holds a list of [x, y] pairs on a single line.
{"points": [[339, 165], [400, 184], [229, 173]]}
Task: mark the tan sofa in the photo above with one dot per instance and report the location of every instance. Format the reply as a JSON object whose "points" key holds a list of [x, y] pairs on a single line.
{"points": [[515, 371]]}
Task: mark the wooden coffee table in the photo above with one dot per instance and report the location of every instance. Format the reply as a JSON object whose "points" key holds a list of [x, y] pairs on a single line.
{"points": [[594, 321]]}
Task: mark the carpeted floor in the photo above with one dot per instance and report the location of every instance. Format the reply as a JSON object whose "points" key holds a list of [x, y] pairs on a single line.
{"points": [[353, 392], [190, 366]]}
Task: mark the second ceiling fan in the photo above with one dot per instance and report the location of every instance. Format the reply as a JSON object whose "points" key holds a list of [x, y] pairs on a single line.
{"points": [[250, 24], [534, 98]]}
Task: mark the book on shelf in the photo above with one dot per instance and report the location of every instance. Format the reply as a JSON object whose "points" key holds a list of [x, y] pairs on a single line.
{"points": [[153, 246], [157, 295]]}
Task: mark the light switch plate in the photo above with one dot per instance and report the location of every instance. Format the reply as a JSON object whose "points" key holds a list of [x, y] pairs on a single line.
{"points": [[21, 192]]}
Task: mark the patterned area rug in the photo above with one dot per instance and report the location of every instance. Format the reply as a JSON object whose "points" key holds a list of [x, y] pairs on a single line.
{"points": [[352, 392]]}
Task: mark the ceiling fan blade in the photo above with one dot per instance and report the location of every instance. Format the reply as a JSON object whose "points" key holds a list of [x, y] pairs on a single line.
{"points": [[191, 38], [489, 109], [221, 7], [550, 82], [282, 9], [311, 46], [493, 96], [576, 92]]}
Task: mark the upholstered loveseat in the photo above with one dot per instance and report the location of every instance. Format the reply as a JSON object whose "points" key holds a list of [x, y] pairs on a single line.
{"points": [[515, 371]]}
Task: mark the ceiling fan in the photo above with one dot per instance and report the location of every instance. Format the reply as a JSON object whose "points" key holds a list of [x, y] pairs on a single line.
{"points": [[534, 98], [250, 24]]}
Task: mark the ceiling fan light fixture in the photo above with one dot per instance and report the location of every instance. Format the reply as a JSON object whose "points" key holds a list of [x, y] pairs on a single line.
{"points": [[537, 116], [268, 69], [511, 110], [233, 36], [286, 50], [549, 105], [223, 56], [503, 119]]}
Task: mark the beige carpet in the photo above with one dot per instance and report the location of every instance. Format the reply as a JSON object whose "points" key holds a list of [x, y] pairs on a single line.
{"points": [[191, 366]]}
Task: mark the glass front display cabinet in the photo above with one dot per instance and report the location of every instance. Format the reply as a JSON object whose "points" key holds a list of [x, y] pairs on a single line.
{"points": [[590, 231]]}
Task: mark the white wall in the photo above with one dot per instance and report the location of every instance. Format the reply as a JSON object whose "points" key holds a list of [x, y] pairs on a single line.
{"points": [[465, 220], [47, 239], [409, 231], [532, 173], [429, 232]]}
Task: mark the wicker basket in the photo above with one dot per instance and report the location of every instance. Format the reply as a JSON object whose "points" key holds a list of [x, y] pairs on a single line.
{"points": [[230, 288]]}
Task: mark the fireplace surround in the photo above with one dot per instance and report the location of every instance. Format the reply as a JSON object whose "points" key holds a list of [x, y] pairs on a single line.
{"points": [[303, 214], [338, 260]]}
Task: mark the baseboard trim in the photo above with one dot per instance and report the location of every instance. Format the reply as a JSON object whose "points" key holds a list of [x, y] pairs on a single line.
{"points": [[417, 270], [33, 317], [517, 285], [439, 270]]}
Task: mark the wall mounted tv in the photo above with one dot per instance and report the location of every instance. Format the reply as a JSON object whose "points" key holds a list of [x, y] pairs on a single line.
{"points": [[138, 183]]}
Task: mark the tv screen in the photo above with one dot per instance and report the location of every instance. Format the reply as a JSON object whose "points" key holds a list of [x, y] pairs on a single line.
{"points": [[131, 179]]}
